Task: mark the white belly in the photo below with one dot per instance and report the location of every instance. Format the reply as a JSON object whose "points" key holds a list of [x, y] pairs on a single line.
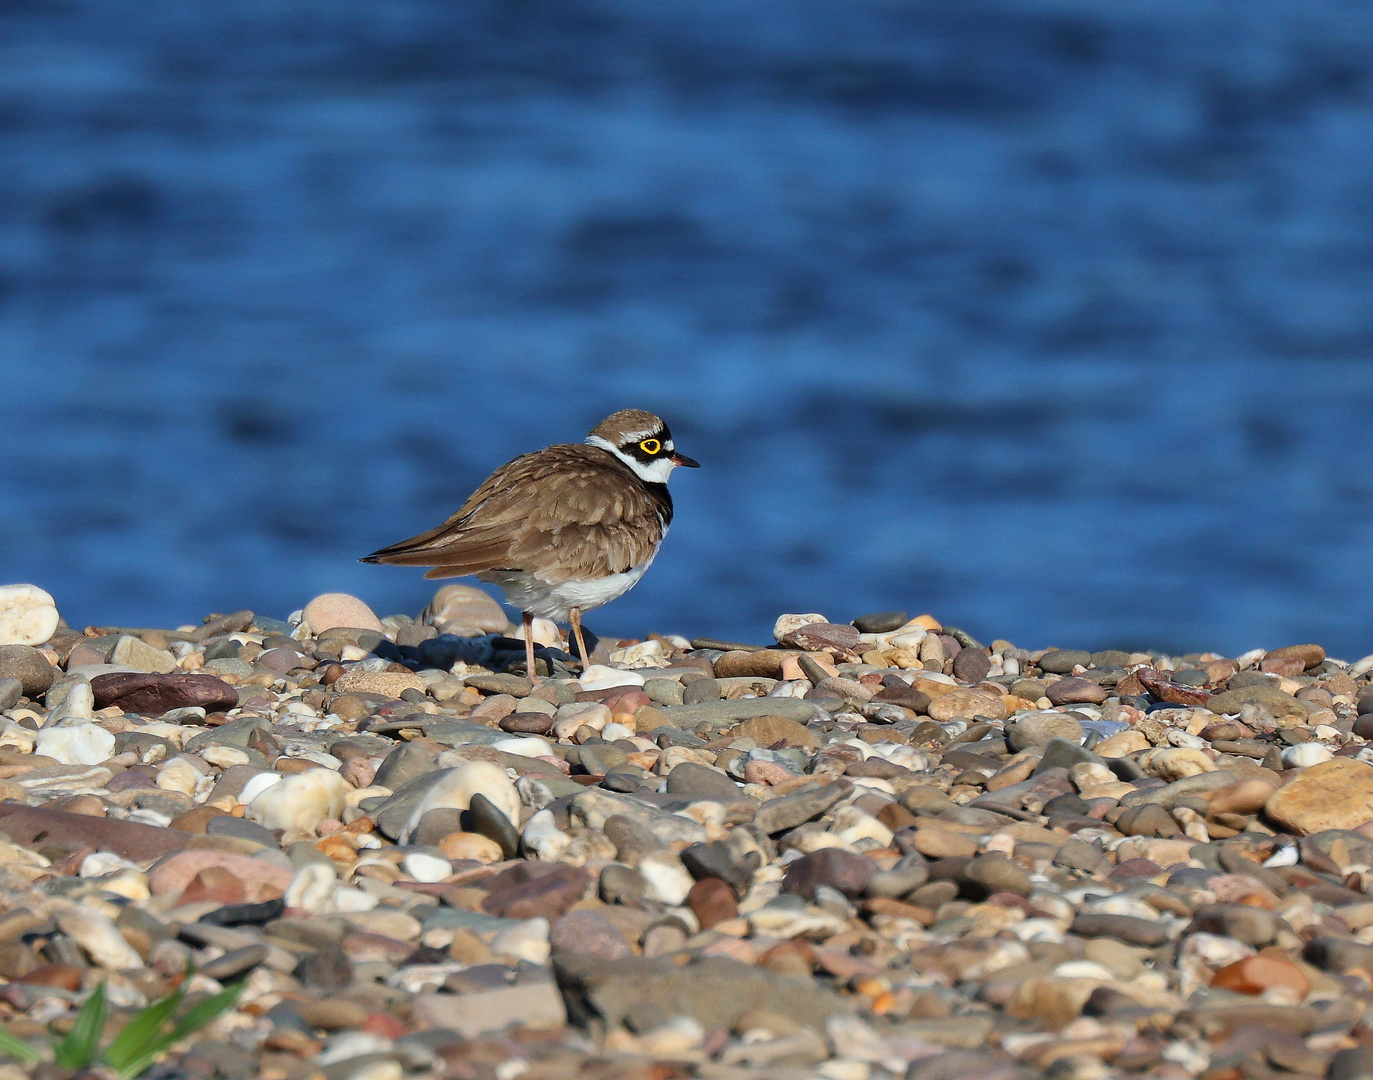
{"points": [[526, 592]]}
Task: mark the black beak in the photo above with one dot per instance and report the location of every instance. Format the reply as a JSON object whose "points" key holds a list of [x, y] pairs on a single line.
{"points": [[682, 459]]}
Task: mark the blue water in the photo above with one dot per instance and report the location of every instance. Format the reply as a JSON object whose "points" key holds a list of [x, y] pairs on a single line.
{"points": [[1052, 318]]}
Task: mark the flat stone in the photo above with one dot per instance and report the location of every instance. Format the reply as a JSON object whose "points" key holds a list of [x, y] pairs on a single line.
{"points": [[535, 1006], [588, 933], [36, 826], [689, 778], [1062, 661], [1336, 794], [967, 703], [261, 880], [386, 683], [1039, 728], [644, 993], [1309, 655], [723, 714], [152, 694], [535, 890], [837, 639], [1126, 928], [767, 731], [880, 622], [1076, 691], [789, 811]]}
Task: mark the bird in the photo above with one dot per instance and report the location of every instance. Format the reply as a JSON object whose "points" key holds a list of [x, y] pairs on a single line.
{"points": [[560, 530]]}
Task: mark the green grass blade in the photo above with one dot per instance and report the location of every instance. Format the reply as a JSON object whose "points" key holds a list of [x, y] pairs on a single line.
{"points": [[82, 1043], [17, 1048], [143, 1029], [196, 1018]]}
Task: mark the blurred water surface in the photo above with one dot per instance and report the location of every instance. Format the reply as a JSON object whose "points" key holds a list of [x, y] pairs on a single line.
{"points": [[1050, 317]]}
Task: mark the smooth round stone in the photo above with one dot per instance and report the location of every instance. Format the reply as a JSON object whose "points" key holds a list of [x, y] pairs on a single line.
{"points": [[971, 665], [29, 666], [469, 845], [527, 723], [996, 874], [1076, 691], [588, 933], [690, 778], [967, 703], [299, 802], [328, 611], [28, 615], [1062, 661], [712, 901], [880, 622], [620, 884], [425, 867], [465, 611], [1040, 728]]}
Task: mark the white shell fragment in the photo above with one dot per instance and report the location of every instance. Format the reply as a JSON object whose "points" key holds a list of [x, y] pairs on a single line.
{"points": [[28, 615]]}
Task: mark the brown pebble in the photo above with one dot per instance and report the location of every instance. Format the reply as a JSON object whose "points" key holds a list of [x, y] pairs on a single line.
{"points": [[197, 818], [61, 976], [712, 901]]}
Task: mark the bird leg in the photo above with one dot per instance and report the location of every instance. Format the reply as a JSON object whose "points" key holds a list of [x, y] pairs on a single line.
{"points": [[529, 648], [575, 617]]}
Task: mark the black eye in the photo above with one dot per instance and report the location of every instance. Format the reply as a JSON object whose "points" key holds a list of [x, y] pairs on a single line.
{"points": [[650, 446]]}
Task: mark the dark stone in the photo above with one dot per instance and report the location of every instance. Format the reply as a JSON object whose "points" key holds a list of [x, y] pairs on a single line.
{"points": [[1251, 925], [971, 665], [435, 825], [880, 622], [1076, 691], [689, 778], [987, 875], [718, 861], [907, 697], [245, 914], [403, 764], [530, 890], [1148, 819], [1064, 754], [1354, 1063], [835, 638], [1126, 928], [1062, 661], [483, 817], [151, 694], [632, 839], [839, 869], [527, 723], [233, 963]]}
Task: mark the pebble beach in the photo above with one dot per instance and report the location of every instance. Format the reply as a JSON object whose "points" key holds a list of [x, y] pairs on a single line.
{"points": [[861, 850]]}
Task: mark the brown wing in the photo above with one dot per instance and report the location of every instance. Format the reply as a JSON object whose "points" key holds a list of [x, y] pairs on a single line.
{"points": [[569, 513]]}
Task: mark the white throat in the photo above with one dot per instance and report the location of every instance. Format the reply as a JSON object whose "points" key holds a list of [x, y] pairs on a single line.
{"points": [[653, 472]]}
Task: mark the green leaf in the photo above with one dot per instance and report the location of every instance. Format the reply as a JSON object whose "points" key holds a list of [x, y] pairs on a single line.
{"points": [[129, 1044], [196, 1017], [79, 1048], [17, 1048]]}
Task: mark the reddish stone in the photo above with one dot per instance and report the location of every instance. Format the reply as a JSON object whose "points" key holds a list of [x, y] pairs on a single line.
{"points": [[1137, 868], [1165, 690], [152, 694], [626, 701], [197, 818], [259, 879], [216, 884], [1289, 667], [34, 827], [838, 639], [712, 901], [385, 1025], [839, 869], [61, 976], [1256, 974], [529, 890]]}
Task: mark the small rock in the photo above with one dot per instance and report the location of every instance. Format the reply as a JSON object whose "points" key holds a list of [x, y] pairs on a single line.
{"points": [[1062, 661], [391, 684], [1076, 691], [29, 666], [834, 867], [1258, 974], [455, 788], [1309, 655], [329, 611], [588, 933], [298, 803], [1336, 794], [152, 694], [967, 703], [712, 901], [1040, 728], [28, 615], [139, 655], [465, 611]]}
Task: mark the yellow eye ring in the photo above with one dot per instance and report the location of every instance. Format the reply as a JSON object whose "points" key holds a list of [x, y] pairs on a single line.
{"points": [[650, 446]]}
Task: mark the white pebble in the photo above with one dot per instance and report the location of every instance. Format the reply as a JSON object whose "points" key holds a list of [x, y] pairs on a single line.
{"points": [[312, 889], [425, 867], [28, 615], [599, 677], [78, 744], [99, 936], [300, 802], [532, 747], [1305, 754], [349, 900], [256, 785], [668, 880], [543, 837]]}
